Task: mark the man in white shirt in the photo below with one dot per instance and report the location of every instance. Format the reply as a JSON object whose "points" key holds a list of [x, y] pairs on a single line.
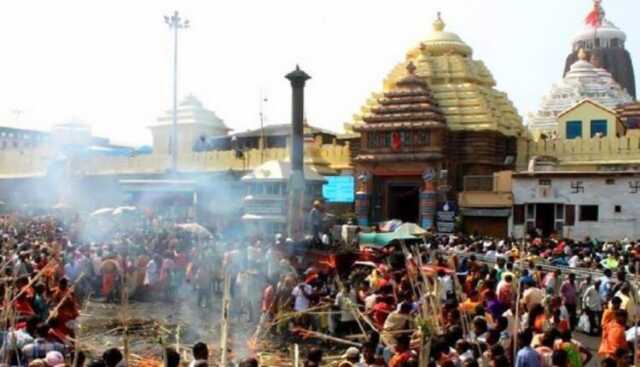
{"points": [[593, 305], [302, 294], [531, 296]]}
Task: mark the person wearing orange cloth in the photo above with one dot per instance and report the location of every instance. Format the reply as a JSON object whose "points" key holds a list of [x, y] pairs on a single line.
{"points": [[64, 299], [110, 271], [609, 314], [613, 337], [22, 306]]}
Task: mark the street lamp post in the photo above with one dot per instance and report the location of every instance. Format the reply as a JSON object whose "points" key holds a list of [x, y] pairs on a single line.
{"points": [[175, 23]]}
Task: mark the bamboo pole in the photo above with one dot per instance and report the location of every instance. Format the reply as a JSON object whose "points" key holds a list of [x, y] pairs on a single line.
{"points": [[635, 318], [76, 341], [225, 321], [321, 336], [296, 355], [352, 308], [514, 336], [32, 282], [124, 294]]}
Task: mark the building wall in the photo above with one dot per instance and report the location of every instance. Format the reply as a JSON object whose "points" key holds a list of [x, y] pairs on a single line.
{"points": [[583, 154], [596, 191], [586, 113], [14, 163]]}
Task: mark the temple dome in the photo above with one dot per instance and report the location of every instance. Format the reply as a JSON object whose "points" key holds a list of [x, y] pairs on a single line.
{"points": [[463, 87], [583, 80], [440, 41], [605, 40], [192, 111], [607, 34]]}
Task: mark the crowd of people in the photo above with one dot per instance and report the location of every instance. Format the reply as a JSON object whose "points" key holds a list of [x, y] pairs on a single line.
{"points": [[443, 301]]}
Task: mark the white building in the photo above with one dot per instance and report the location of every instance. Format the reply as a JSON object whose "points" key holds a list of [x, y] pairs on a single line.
{"points": [[265, 205], [194, 122], [602, 205], [583, 81]]}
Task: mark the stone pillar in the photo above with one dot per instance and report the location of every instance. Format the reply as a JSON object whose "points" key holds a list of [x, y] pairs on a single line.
{"points": [[295, 226], [428, 200]]}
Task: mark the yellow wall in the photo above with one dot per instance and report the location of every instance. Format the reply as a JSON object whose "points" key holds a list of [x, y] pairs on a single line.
{"points": [[587, 112], [582, 154], [13, 163]]}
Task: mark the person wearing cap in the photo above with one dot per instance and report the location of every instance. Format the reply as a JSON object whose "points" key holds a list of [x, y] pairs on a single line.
{"points": [[54, 358], [351, 358]]}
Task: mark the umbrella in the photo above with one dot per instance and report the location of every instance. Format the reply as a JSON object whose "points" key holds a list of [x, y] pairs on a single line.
{"points": [[124, 209], [102, 211], [390, 226], [195, 228], [411, 228], [403, 232]]}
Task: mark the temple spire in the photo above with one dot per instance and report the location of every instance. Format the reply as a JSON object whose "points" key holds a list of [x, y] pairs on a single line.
{"points": [[439, 24]]}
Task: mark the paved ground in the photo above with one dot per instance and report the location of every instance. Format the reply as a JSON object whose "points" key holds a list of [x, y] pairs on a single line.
{"points": [[592, 343]]}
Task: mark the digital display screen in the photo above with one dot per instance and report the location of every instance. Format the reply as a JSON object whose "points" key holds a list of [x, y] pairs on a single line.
{"points": [[339, 189]]}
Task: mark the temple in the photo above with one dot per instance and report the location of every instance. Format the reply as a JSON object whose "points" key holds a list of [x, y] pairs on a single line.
{"points": [[602, 38], [586, 79], [440, 116], [402, 146]]}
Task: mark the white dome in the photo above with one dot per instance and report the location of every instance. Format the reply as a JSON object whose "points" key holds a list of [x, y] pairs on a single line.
{"points": [[605, 32], [582, 81], [192, 111]]}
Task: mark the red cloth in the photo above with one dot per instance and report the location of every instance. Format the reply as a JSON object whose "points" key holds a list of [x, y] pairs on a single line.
{"points": [[23, 307], [594, 18], [69, 309], [396, 141], [379, 314], [400, 358], [108, 282]]}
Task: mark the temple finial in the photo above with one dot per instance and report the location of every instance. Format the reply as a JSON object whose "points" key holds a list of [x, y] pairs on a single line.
{"points": [[411, 68], [438, 24]]}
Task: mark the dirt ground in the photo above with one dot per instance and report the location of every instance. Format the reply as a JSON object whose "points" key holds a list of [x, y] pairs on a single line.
{"points": [[153, 325]]}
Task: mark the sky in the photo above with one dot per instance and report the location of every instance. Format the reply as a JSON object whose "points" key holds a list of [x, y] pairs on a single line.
{"points": [[109, 63]]}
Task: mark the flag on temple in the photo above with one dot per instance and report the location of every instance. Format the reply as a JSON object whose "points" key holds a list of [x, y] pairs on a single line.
{"points": [[594, 18]]}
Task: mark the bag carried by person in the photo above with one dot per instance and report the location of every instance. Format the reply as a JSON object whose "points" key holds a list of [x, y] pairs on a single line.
{"points": [[583, 323]]}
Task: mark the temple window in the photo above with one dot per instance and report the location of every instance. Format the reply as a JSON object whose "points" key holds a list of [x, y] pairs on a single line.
{"points": [[423, 138], [598, 128], [574, 129], [387, 140], [406, 138]]}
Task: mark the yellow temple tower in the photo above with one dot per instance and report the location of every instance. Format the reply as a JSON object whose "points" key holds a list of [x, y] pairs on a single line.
{"points": [[463, 87]]}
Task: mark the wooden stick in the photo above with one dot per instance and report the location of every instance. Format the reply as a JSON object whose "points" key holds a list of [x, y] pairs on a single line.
{"points": [[635, 320], [516, 321], [321, 336], [296, 355], [351, 307], [224, 335], [124, 300], [76, 348], [32, 282]]}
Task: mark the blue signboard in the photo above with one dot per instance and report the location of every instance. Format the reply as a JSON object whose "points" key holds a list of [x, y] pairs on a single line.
{"points": [[339, 189]]}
